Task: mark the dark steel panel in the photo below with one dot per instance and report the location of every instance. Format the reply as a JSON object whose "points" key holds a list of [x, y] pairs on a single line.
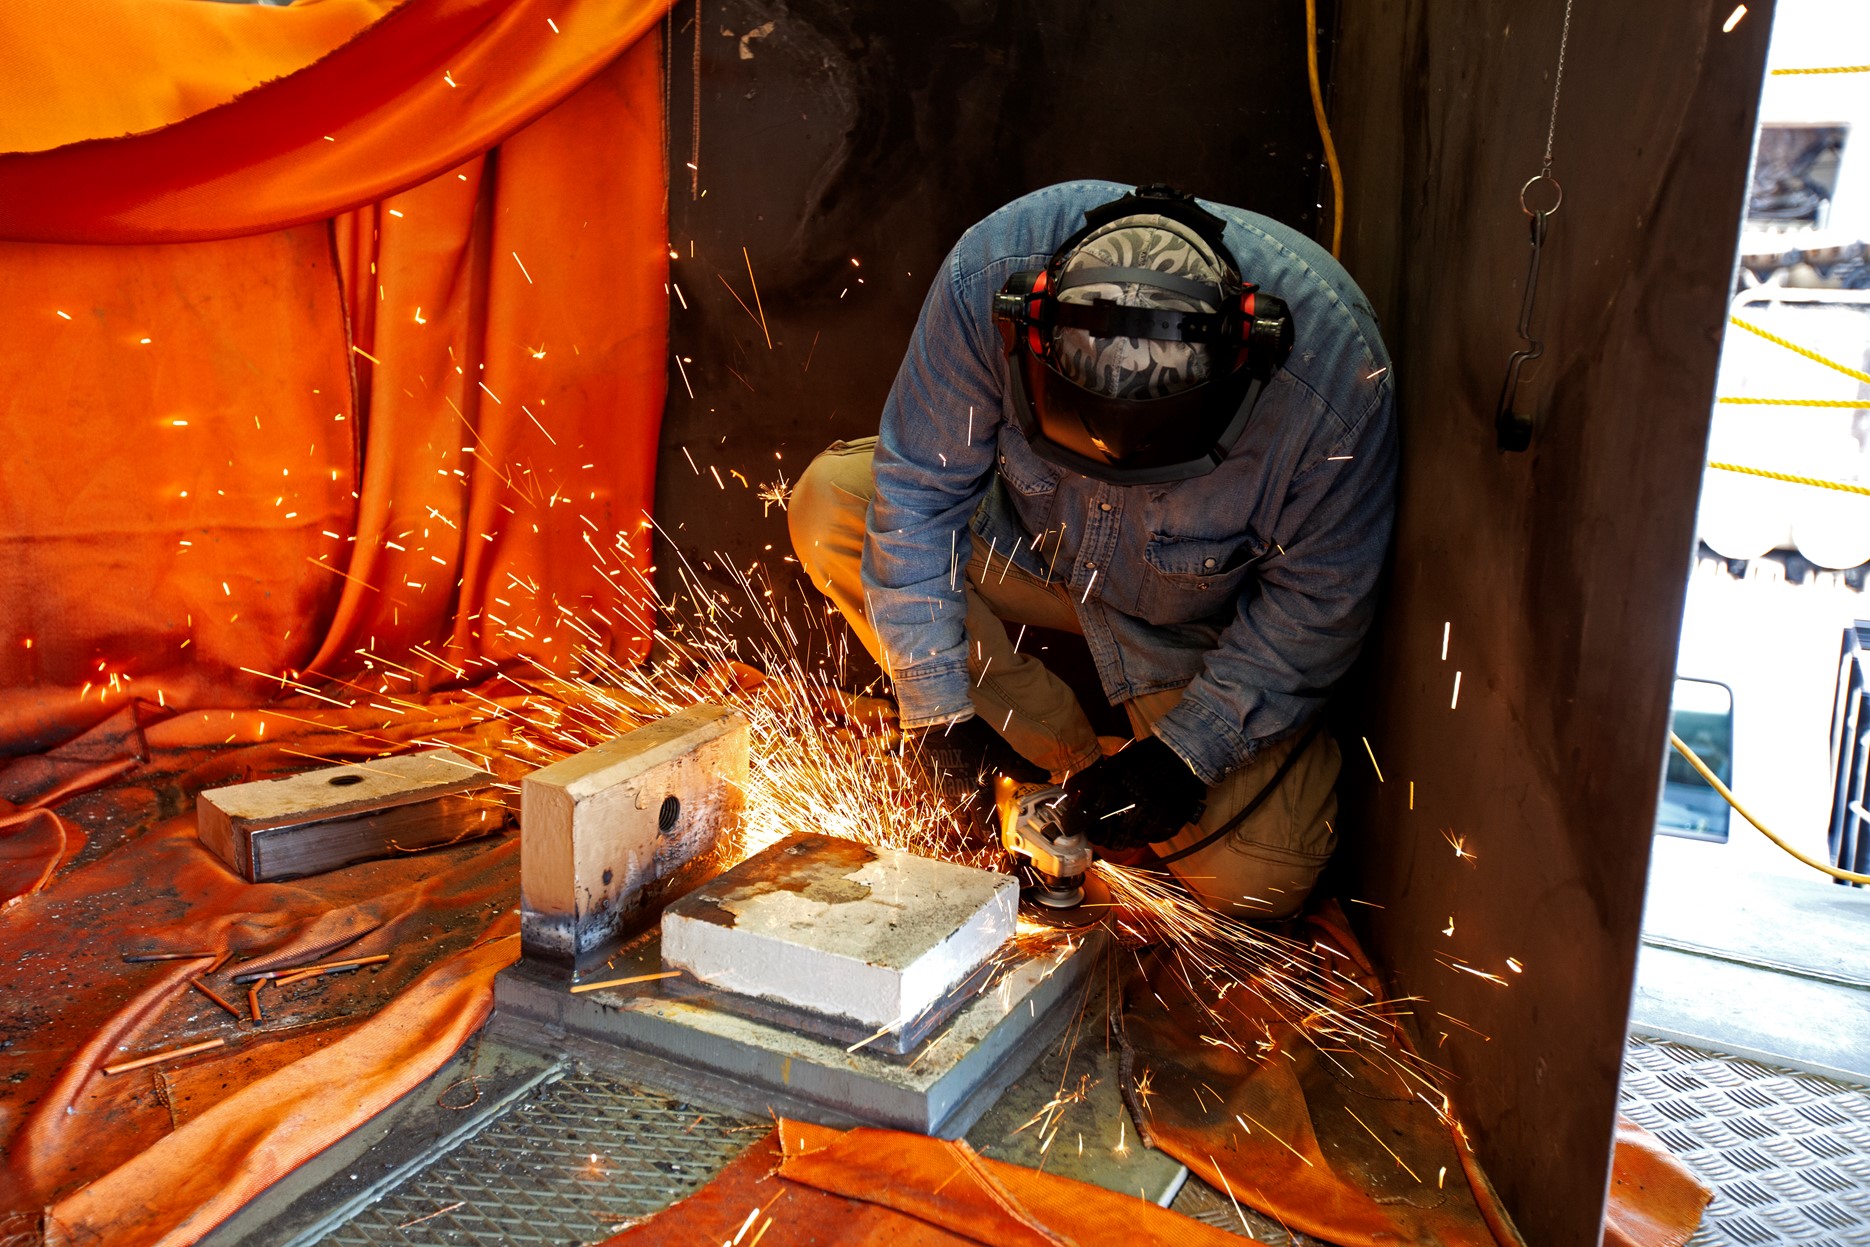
{"points": [[879, 131], [1561, 571]]}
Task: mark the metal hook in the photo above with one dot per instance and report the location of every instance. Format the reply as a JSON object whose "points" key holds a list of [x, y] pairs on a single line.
{"points": [[1512, 428]]}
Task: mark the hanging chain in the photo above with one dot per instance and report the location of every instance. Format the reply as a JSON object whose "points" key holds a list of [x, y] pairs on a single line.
{"points": [[1558, 85], [1512, 428]]}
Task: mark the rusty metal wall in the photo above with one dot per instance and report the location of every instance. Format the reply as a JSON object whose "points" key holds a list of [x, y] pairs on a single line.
{"points": [[1557, 575], [846, 144]]}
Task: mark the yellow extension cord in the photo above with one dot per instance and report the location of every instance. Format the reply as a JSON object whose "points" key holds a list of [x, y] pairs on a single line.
{"points": [[1854, 404], [1324, 127], [1844, 487], [1815, 357], [1825, 69], [1796, 349], [1714, 781]]}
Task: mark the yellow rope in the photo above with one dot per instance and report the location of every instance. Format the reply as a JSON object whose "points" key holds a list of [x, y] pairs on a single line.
{"points": [[1714, 781], [1854, 403], [1796, 349], [1324, 126], [1826, 69], [1841, 486]]}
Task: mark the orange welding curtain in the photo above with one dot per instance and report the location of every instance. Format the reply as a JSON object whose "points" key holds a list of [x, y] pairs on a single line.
{"points": [[270, 427]]}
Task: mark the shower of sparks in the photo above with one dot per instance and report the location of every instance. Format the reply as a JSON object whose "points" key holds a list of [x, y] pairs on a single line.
{"points": [[775, 494], [831, 761], [1458, 844], [826, 759], [1213, 955]]}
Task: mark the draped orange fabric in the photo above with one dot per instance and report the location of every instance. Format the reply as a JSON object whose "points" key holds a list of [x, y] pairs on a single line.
{"points": [[417, 424], [96, 69], [432, 83]]}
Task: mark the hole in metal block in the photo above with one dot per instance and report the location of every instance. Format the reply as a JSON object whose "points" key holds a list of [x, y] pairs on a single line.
{"points": [[671, 810], [344, 781]]}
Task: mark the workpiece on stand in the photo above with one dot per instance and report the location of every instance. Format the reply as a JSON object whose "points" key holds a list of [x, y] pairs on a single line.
{"points": [[873, 937], [320, 820], [690, 1041], [609, 835]]}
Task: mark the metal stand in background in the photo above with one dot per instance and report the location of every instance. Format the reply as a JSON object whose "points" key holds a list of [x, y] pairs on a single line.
{"points": [[1849, 835]]}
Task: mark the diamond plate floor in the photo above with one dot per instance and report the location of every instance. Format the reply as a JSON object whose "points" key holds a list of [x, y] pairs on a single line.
{"points": [[1788, 1154], [573, 1163]]}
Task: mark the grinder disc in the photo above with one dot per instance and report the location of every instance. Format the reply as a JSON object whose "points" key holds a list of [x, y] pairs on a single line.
{"points": [[1094, 908]]}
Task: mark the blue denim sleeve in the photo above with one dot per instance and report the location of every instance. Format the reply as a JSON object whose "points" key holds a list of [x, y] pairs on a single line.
{"points": [[1296, 636], [934, 452]]}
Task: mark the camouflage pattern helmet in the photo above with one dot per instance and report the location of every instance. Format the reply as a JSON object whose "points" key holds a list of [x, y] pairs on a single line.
{"points": [[1139, 368]]}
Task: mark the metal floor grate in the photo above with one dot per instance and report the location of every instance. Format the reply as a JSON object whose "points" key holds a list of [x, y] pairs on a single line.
{"points": [[1788, 1154], [1213, 1208], [572, 1163]]}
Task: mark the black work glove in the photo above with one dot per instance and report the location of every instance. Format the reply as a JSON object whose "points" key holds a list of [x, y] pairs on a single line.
{"points": [[1137, 796]]}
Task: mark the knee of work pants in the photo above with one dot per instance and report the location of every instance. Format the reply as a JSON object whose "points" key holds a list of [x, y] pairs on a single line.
{"points": [[1028, 705], [1265, 867], [825, 517]]}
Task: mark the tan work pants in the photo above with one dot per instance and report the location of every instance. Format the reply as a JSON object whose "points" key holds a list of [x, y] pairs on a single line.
{"points": [[1263, 869]]}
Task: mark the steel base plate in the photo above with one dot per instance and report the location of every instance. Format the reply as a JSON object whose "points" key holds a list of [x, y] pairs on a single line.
{"points": [[939, 1089]]}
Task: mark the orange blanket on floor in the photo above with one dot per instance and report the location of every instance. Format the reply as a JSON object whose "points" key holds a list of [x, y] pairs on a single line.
{"points": [[810, 1186], [162, 1154], [1334, 1144]]}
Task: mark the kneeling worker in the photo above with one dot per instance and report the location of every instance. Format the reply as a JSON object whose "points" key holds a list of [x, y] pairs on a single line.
{"points": [[1165, 425]]}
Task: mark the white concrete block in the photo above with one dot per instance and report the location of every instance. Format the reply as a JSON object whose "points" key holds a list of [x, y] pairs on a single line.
{"points": [[610, 834], [872, 936]]}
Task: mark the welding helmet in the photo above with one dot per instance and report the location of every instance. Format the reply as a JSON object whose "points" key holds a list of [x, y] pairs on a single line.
{"points": [[1137, 353]]}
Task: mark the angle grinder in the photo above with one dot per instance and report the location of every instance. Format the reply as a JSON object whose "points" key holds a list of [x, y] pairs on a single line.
{"points": [[1033, 830]]}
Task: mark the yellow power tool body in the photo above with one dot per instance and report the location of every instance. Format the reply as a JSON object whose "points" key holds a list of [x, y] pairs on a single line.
{"points": [[1032, 828]]}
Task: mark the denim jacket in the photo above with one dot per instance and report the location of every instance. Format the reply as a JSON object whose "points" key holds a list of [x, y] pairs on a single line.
{"points": [[1253, 585]]}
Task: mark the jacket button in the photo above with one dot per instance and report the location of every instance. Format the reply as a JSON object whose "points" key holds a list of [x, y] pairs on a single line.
{"points": [[1089, 566], [1207, 563], [1103, 506]]}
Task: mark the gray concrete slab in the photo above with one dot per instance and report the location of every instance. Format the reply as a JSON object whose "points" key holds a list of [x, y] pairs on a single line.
{"points": [[1699, 899], [1727, 1007]]}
